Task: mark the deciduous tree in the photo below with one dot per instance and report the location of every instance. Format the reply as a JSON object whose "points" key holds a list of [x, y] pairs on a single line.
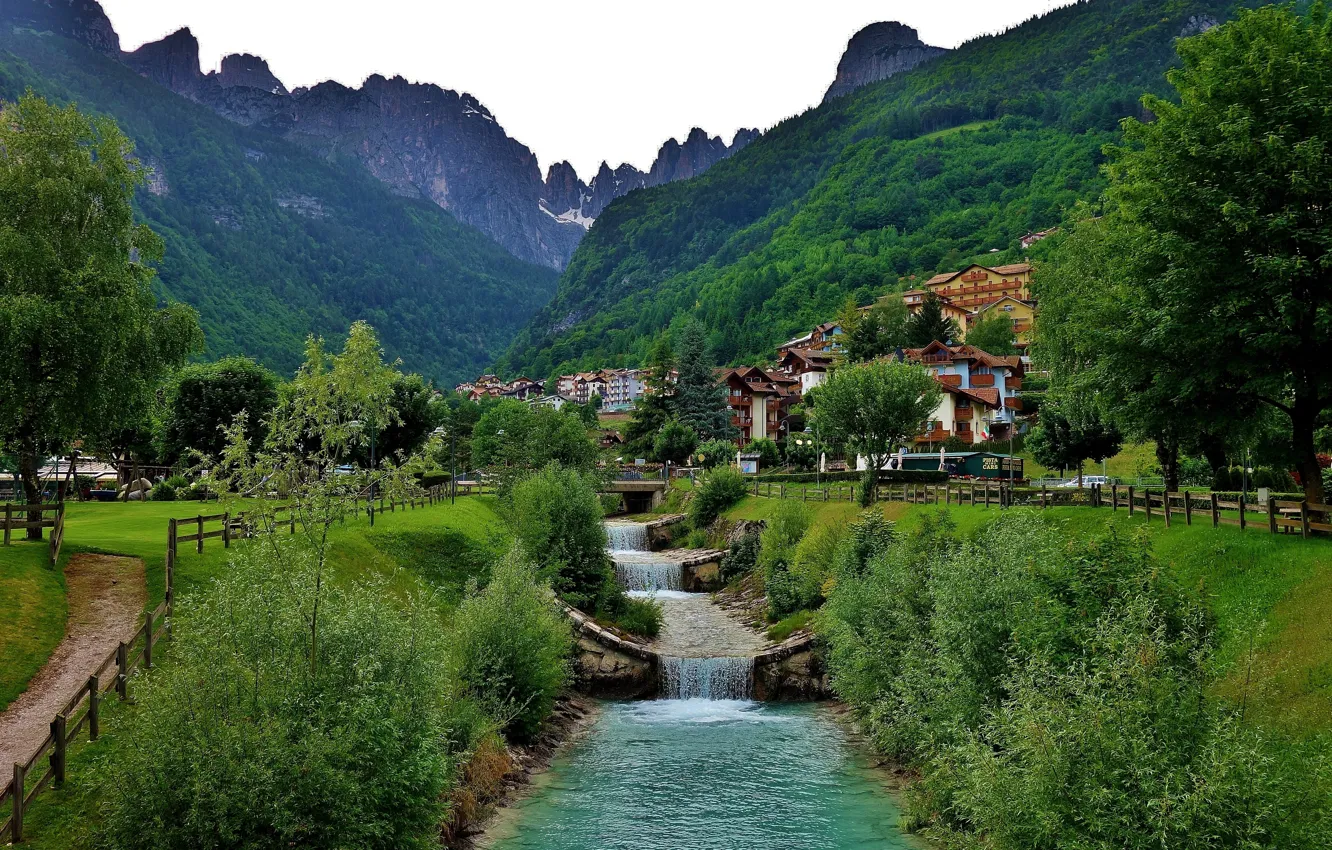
{"points": [[873, 407], [85, 344]]}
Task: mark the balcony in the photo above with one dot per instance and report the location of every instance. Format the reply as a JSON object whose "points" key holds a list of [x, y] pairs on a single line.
{"points": [[982, 380], [937, 358], [934, 435]]}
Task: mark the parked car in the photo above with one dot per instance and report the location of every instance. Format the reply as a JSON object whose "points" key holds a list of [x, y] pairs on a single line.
{"points": [[1088, 480]]}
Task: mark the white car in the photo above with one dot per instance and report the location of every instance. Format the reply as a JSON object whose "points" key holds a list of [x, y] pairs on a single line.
{"points": [[1087, 481]]}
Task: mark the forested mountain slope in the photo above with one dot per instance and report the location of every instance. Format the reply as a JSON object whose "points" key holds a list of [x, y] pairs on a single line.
{"points": [[271, 242], [955, 159]]}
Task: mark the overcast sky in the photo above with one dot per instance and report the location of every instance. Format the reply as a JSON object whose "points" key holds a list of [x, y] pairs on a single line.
{"points": [[585, 80]]}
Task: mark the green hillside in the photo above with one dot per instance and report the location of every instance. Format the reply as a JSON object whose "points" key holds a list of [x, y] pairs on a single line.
{"points": [[922, 172], [270, 243]]}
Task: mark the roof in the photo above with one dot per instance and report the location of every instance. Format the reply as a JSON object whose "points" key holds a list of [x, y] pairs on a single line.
{"points": [[1015, 268], [815, 359], [966, 352], [988, 396], [795, 342]]}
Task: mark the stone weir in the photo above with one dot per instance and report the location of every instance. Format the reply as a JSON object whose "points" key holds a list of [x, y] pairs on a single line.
{"points": [[614, 666]]}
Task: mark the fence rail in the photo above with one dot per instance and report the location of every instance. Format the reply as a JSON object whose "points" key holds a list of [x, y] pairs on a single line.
{"points": [[11, 521], [1276, 516]]}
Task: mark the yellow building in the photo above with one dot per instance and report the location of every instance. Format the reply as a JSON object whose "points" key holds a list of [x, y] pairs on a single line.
{"points": [[1021, 313], [977, 287]]}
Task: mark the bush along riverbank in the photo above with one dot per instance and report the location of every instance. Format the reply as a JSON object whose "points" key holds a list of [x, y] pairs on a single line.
{"points": [[1057, 693]]}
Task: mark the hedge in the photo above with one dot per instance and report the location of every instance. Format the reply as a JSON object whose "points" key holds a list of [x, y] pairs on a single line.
{"points": [[887, 476]]}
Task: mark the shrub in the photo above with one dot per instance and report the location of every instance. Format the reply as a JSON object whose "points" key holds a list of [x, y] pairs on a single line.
{"points": [[769, 455], [639, 616], [556, 516], [813, 564], [261, 733], [789, 522], [674, 443], [509, 647], [716, 453], [741, 558], [721, 489], [162, 492], [178, 482]]}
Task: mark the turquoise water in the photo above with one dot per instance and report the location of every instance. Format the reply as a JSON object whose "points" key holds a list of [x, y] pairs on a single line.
{"points": [[706, 775]]}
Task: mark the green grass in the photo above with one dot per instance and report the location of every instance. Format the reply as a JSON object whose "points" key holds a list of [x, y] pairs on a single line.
{"points": [[953, 131], [434, 550], [32, 597], [789, 625], [1271, 594]]}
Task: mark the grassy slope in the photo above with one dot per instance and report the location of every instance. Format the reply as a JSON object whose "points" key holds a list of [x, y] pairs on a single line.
{"points": [[445, 298], [1269, 592], [434, 550], [32, 615]]}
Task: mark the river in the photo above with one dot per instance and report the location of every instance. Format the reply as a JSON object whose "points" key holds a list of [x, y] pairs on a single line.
{"points": [[703, 768]]}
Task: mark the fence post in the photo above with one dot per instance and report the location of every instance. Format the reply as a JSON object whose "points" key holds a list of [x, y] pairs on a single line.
{"points": [[1042, 496], [198, 543], [9, 513], [1304, 518], [825, 494], [1165, 504], [987, 494], [1188, 509], [94, 706], [57, 758], [1130, 495], [1147, 502], [170, 571], [1243, 523], [781, 489], [1216, 511], [1114, 497], [226, 530], [1271, 514], [148, 641], [16, 820], [122, 670]]}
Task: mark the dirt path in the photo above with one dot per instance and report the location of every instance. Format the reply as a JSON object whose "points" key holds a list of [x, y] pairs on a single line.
{"points": [[106, 600]]}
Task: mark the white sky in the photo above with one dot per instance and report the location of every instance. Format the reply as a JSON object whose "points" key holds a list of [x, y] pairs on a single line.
{"points": [[585, 80]]}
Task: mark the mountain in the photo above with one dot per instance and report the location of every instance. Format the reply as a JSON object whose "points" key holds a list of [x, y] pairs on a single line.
{"points": [[953, 160], [269, 239], [422, 140], [580, 202], [876, 53]]}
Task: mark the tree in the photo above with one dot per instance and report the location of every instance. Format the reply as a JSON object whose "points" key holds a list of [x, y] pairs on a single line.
{"points": [[654, 407], [930, 325], [557, 519], [514, 435], [1231, 187], [675, 442], [877, 332], [1069, 434], [716, 453], [418, 415], [700, 399], [85, 344], [871, 408], [770, 455], [994, 335], [202, 398]]}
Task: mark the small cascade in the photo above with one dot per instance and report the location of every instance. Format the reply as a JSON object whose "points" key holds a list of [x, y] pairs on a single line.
{"points": [[647, 574], [718, 678], [627, 536]]}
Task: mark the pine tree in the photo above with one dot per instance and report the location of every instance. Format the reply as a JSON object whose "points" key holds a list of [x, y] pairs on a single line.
{"points": [[700, 400], [930, 324], [653, 409]]}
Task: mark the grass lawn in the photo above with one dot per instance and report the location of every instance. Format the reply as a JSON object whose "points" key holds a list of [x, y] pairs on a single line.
{"points": [[32, 614], [434, 550], [1269, 593]]}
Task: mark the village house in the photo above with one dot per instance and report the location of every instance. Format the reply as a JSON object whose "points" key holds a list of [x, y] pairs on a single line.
{"points": [[808, 366], [977, 286], [980, 393], [759, 401], [826, 338], [522, 388], [554, 402], [623, 387]]}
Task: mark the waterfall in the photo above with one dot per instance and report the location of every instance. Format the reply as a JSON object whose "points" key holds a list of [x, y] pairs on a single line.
{"points": [[627, 536], [707, 678], [646, 574]]}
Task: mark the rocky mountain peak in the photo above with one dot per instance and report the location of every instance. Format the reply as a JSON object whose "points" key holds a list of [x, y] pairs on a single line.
{"points": [[242, 70], [81, 20], [878, 52], [677, 161], [172, 62], [563, 190]]}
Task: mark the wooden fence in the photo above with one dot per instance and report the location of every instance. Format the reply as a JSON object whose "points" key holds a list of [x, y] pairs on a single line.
{"points": [[16, 516], [1304, 518], [83, 708]]}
